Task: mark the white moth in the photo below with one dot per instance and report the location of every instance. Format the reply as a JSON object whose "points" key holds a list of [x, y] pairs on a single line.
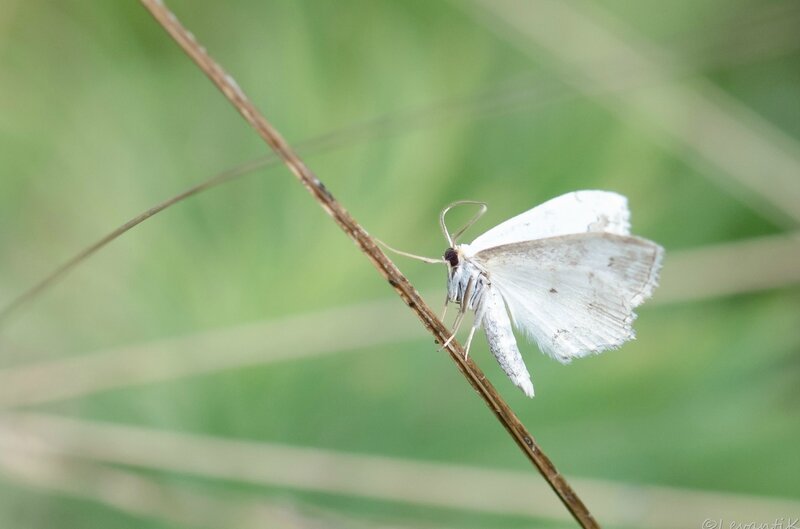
{"points": [[567, 273]]}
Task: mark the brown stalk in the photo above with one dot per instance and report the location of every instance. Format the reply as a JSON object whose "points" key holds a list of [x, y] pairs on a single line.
{"points": [[368, 246]]}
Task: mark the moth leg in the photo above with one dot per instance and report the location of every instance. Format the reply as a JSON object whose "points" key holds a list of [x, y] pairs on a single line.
{"points": [[456, 325], [446, 303], [480, 312], [461, 311], [469, 341]]}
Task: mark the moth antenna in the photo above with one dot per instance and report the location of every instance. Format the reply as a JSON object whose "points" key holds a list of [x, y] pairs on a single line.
{"points": [[451, 240], [429, 260]]}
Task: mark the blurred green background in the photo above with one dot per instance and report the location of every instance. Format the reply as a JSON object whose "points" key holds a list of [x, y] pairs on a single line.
{"points": [[512, 103]]}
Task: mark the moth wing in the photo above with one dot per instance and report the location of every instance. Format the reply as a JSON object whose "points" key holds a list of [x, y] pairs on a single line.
{"points": [[574, 294], [575, 212]]}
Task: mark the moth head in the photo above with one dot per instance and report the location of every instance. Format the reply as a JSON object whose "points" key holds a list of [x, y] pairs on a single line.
{"points": [[451, 256]]}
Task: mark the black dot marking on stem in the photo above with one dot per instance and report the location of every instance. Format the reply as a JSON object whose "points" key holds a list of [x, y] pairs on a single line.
{"points": [[324, 191]]}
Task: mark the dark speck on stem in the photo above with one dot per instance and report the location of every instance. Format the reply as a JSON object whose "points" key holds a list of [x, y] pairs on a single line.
{"points": [[324, 190]]}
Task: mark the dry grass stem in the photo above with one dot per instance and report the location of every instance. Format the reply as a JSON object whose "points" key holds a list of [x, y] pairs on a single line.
{"points": [[284, 339], [147, 497], [382, 478], [691, 275], [724, 269], [367, 244]]}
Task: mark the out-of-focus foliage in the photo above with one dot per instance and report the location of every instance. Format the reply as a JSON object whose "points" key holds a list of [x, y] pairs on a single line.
{"points": [[102, 116]]}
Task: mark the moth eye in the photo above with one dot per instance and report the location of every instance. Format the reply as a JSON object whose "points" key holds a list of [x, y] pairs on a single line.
{"points": [[451, 256]]}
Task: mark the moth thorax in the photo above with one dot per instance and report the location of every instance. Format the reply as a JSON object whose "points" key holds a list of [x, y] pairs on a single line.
{"points": [[451, 256]]}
